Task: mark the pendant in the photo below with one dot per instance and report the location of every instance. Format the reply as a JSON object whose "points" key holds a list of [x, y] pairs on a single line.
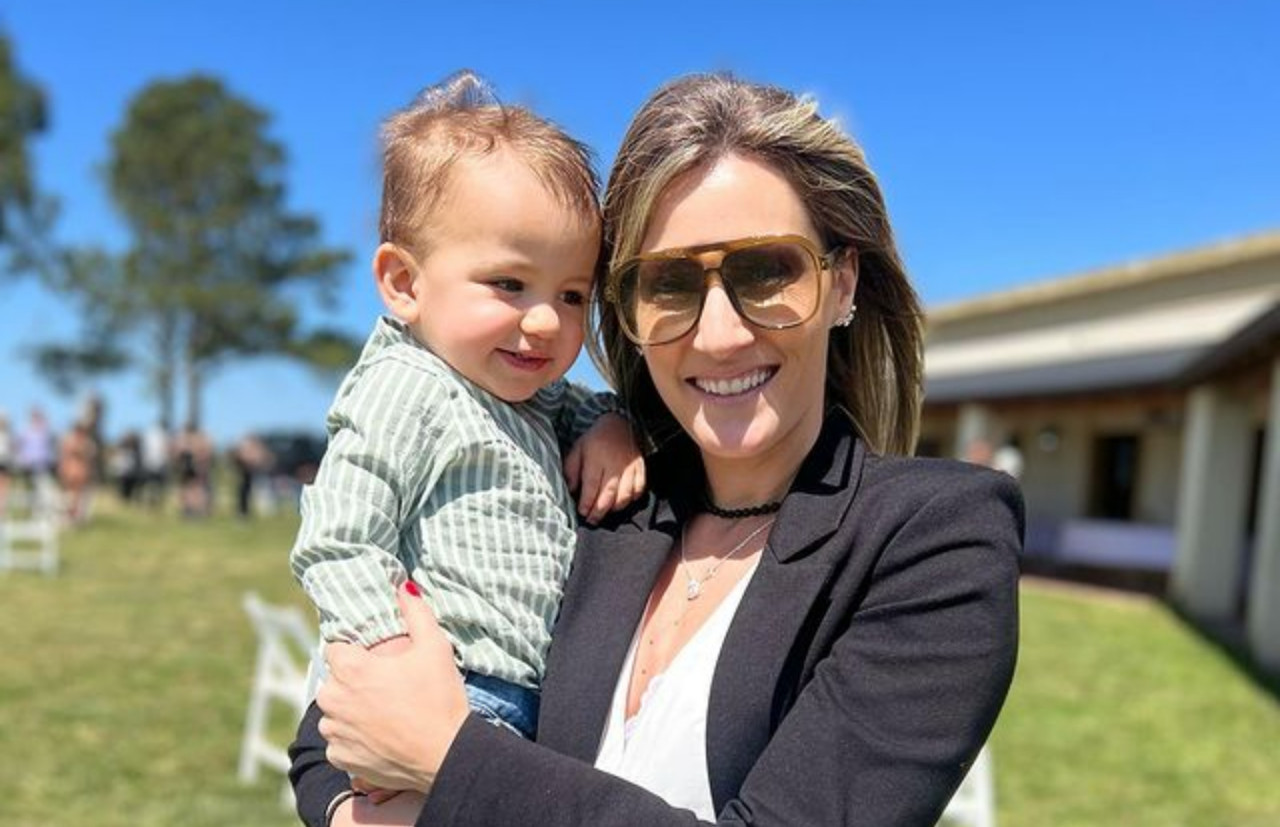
{"points": [[692, 590]]}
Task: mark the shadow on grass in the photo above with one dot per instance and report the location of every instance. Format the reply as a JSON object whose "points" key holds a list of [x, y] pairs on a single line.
{"points": [[1228, 637]]}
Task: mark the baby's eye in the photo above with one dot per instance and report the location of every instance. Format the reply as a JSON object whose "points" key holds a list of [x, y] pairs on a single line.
{"points": [[574, 298], [507, 285]]}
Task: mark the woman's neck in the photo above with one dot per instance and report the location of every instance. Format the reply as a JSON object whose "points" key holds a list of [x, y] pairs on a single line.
{"points": [[742, 482]]}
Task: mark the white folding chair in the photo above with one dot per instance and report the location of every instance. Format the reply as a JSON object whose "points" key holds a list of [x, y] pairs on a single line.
{"points": [[285, 643], [974, 804], [30, 544]]}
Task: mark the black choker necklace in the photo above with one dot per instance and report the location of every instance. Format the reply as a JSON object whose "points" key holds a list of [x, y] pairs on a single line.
{"points": [[738, 513]]}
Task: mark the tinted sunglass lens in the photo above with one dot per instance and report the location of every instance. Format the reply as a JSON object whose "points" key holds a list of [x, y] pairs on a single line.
{"points": [[671, 283], [776, 284], [667, 297]]}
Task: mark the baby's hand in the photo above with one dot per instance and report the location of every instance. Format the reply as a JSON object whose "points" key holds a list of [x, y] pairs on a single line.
{"points": [[605, 467], [404, 810], [375, 794]]}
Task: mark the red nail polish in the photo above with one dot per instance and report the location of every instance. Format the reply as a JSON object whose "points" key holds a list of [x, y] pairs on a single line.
{"points": [[412, 588]]}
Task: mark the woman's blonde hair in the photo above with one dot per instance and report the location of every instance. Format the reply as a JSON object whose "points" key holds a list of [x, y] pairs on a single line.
{"points": [[875, 365]]}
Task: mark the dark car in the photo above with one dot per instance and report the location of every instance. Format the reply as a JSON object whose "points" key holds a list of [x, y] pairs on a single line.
{"points": [[296, 454]]}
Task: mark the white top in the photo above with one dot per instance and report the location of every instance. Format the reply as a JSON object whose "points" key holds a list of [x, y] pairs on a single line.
{"points": [[663, 748]]}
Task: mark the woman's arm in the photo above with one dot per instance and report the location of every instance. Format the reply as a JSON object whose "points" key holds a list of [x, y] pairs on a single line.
{"points": [[316, 782], [881, 735]]}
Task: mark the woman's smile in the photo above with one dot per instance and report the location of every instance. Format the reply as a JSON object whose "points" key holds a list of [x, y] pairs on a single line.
{"points": [[734, 386]]}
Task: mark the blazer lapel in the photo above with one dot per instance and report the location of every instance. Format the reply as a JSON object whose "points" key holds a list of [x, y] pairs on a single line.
{"points": [[609, 587], [613, 573], [748, 692]]}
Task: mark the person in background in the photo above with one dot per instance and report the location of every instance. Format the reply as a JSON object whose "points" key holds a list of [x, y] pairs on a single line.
{"points": [[251, 459], [800, 624], [36, 458], [193, 461], [1009, 459], [978, 452], [156, 456], [6, 462], [125, 465], [77, 455], [92, 416]]}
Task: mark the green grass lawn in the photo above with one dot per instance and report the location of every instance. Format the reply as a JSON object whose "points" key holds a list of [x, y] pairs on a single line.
{"points": [[125, 678], [1121, 715]]}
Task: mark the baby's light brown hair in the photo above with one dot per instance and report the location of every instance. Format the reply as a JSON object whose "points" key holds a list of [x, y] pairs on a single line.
{"points": [[460, 117]]}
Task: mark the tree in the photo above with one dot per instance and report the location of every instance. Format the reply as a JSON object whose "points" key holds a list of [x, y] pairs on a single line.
{"points": [[25, 214], [217, 264]]}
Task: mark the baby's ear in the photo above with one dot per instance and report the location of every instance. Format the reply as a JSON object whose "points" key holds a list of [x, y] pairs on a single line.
{"points": [[395, 273]]}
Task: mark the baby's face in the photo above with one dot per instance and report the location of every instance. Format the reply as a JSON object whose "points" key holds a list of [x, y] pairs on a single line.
{"points": [[502, 288]]}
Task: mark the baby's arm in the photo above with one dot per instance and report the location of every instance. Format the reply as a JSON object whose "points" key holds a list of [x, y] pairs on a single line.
{"points": [[382, 447], [605, 467], [602, 459]]}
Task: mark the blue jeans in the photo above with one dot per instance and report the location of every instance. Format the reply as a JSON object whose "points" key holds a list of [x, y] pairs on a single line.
{"points": [[503, 704]]}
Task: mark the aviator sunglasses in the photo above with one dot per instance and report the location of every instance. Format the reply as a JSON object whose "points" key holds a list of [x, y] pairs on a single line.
{"points": [[773, 282]]}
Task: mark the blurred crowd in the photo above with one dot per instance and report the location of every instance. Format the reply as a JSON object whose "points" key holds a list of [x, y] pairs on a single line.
{"points": [[155, 467]]}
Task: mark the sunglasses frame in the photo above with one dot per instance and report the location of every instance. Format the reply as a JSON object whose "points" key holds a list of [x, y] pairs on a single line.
{"points": [[822, 261]]}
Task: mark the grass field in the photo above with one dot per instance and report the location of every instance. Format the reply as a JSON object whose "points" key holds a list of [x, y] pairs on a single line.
{"points": [[125, 678]]}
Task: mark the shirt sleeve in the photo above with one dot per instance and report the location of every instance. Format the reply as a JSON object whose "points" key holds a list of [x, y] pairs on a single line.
{"points": [[388, 441], [573, 408]]}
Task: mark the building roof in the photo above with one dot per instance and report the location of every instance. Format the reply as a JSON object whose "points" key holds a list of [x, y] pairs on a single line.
{"points": [[1114, 373], [1072, 336], [1259, 337], [1174, 265]]}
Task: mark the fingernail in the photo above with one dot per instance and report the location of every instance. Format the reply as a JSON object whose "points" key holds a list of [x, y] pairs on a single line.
{"points": [[412, 588]]}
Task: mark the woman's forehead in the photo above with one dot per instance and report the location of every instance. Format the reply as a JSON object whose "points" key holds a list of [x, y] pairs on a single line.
{"points": [[735, 197]]}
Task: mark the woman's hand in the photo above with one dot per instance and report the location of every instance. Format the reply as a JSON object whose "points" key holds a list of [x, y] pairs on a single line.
{"points": [[391, 718]]}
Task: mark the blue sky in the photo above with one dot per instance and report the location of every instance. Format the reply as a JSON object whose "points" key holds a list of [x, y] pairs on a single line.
{"points": [[1015, 141]]}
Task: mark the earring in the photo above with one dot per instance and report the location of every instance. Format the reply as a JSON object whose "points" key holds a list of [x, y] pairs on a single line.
{"points": [[847, 319]]}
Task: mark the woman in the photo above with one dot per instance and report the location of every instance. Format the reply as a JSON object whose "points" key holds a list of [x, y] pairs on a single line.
{"points": [[797, 627], [76, 455]]}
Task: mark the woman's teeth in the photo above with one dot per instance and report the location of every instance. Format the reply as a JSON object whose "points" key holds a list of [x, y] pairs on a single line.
{"points": [[731, 387]]}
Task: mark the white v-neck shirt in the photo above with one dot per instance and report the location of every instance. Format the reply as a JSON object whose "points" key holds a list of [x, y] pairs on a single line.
{"points": [[663, 747]]}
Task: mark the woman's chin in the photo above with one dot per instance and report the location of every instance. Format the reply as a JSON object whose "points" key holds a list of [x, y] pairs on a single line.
{"points": [[731, 438]]}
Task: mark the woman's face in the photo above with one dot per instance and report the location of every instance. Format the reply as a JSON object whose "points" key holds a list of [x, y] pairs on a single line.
{"points": [[742, 392]]}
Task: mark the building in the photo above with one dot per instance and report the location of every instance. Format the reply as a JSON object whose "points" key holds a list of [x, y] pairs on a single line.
{"points": [[1142, 404]]}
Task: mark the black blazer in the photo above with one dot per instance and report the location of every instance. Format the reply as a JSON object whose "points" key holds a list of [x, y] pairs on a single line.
{"points": [[863, 670]]}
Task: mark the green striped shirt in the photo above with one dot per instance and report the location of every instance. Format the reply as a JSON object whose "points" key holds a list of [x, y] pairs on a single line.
{"points": [[427, 474]]}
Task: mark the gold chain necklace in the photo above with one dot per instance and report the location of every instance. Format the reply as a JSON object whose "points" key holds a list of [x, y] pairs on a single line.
{"points": [[693, 585]]}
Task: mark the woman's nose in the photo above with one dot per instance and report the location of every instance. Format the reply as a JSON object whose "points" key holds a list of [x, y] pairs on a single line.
{"points": [[540, 320], [720, 329]]}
